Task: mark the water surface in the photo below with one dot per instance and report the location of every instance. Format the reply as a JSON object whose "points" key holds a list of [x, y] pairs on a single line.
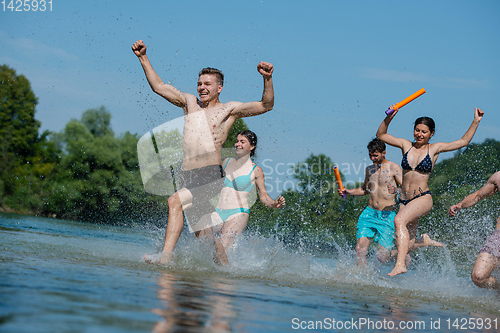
{"points": [[63, 276]]}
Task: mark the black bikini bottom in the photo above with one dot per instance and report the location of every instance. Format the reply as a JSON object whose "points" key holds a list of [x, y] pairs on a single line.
{"points": [[405, 202]]}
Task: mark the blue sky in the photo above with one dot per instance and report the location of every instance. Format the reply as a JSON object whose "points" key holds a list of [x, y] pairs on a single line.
{"points": [[338, 66]]}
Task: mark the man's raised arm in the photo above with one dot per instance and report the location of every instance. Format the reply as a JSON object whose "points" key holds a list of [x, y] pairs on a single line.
{"points": [[267, 103], [486, 191], [167, 91]]}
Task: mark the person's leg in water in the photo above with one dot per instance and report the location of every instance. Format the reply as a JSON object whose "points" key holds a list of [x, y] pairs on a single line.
{"points": [[361, 250], [175, 223], [384, 255], [199, 186], [385, 236], [406, 224], [415, 244], [481, 273], [366, 229], [232, 228], [424, 241], [210, 234], [232, 223], [487, 260]]}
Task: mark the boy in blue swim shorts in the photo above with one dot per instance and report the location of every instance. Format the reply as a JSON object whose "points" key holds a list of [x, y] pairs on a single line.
{"points": [[377, 220]]}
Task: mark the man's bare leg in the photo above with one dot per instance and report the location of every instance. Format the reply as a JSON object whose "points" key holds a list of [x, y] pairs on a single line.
{"points": [[481, 273], [173, 231], [361, 250]]}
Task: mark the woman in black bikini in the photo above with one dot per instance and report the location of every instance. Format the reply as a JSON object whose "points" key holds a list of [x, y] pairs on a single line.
{"points": [[416, 198]]}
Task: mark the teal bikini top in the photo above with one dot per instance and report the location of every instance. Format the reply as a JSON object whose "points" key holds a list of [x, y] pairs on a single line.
{"points": [[242, 183]]}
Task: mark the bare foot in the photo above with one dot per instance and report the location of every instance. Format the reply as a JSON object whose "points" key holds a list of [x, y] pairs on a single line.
{"points": [[158, 258], [429, 242], [397, 270]]}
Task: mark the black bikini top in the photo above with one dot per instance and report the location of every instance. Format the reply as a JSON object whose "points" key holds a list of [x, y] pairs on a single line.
{"points": [[424, 166]]}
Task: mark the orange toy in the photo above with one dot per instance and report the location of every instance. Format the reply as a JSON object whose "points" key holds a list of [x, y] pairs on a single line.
{"points": [[339, 181], [405, 101]]}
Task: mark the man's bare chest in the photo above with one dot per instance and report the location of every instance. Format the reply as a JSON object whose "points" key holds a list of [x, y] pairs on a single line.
{"points": [[215, 119]]}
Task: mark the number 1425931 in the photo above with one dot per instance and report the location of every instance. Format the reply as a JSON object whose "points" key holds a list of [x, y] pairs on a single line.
{"points": [[26, 5]]}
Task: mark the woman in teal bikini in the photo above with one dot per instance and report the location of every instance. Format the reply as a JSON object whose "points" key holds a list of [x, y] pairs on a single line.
{"points": [[416, 199], [242, 175]]}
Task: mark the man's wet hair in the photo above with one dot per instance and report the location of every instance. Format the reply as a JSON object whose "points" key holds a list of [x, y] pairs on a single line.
{"points": [[376, 145], [214, 71]]}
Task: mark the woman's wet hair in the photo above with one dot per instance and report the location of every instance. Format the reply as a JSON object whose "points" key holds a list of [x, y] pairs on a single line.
{"points": [[252, 138], [427, 121]]}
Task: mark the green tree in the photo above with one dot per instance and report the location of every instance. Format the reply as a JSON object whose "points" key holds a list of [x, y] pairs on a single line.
{"points": [[97, 121], [27, 160], [238, 126], [91, 168], [18, 126], [99, 180]]}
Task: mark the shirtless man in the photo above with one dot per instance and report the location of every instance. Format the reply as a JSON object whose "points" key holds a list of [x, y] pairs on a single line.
{"points": [[489, 256], [207, 124], [377, 220]]}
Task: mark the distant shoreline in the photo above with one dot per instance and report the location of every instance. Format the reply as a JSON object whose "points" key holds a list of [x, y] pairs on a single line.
{"points": [[7, 209]]}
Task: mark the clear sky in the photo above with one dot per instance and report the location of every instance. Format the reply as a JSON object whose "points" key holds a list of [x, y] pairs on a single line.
{"points": [[338, 66]]}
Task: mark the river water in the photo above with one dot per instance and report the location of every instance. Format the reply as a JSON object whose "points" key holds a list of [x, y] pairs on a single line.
{"points": [[63, 276]]}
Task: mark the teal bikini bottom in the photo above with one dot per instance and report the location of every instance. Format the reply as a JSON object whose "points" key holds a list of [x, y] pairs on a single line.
{"points": [[227, 213]]}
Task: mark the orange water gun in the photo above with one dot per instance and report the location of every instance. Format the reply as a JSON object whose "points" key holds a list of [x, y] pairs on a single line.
{"points": [[339, 181], [405, 101]]}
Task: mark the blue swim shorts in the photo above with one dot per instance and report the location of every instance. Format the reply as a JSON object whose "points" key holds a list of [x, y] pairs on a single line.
{"points": [[378, 225]]}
